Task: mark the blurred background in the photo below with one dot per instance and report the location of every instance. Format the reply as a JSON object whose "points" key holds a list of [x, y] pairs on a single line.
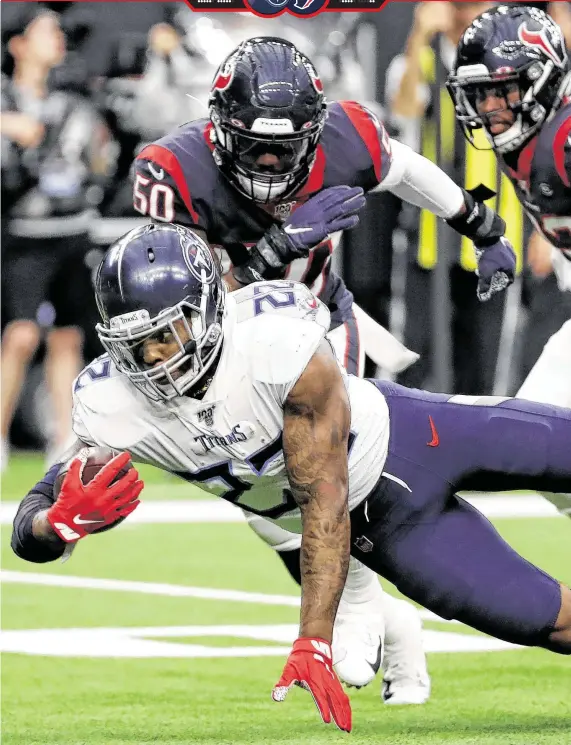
{"points": [[86, 85]]}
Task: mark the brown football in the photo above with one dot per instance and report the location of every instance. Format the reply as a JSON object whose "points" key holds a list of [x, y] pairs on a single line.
{"points": [[94, 458]]}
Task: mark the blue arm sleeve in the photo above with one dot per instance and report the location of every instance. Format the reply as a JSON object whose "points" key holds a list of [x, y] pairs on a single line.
{"points": [[24, 543]]}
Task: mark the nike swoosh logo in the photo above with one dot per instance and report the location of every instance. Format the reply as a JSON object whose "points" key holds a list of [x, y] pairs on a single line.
{"points": [[435, 442], [293, 231], [78, 521], [159, 175], [377, 663]]}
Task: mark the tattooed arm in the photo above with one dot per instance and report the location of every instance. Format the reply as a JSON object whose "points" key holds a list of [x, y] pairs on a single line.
{"points": [[316, 429]]}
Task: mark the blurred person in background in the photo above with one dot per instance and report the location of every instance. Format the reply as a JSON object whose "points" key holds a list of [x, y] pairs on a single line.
{"points": [[524, 110], [413, 79], [53, 148]]}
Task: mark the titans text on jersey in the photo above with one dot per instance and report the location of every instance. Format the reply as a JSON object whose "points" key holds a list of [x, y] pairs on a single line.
{"points": [[230, 441]]}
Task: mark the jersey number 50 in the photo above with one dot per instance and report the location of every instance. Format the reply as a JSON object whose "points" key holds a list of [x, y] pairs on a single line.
{"points": [[157, 201]]}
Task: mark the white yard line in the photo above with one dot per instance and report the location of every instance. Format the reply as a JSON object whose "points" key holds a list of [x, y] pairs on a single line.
{"points": [[157, 588], [219, 511], [147, 588]]}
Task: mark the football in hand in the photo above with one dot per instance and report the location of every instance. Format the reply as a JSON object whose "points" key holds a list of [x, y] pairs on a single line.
{"points": [[93, 459]]}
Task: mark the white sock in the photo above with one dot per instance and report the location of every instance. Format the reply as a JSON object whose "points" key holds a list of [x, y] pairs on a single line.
{"points": [[404, 658], [549, 381], [362, 583]]}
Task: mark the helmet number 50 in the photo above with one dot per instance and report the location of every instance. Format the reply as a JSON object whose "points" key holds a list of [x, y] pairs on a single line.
{"points": [[156, 201]]}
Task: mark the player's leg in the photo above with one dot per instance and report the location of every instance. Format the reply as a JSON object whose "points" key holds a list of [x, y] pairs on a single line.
{"points": [[550, 382], [405, 673], [439, 550], [64, 347], [346, 343], [25, 273]]}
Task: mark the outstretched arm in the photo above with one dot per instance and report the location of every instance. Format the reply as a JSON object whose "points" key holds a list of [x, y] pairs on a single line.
{"points": [[417, 180], [316, 430]]}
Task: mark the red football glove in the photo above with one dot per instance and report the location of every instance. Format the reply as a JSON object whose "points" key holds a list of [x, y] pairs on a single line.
{"points": [[82, 508], [309, 666]]}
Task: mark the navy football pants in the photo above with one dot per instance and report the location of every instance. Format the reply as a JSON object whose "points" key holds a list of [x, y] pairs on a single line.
{"points": [[436, 548]]}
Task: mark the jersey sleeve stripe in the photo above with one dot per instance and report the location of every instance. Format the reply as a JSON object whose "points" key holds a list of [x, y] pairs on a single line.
{"points": [[167, 160], [367, 130], [559, 141]]}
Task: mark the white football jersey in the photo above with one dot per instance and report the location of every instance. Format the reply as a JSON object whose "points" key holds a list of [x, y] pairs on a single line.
{"points": [[230, 442]]}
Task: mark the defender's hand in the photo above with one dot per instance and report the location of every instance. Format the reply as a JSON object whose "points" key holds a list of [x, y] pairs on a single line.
{"points": [[496, 268], [310, 666], [82, 508], [331, 210]]}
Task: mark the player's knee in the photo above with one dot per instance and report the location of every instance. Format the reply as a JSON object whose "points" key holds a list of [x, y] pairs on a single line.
{"points": [[21, 339], [560, 637]]}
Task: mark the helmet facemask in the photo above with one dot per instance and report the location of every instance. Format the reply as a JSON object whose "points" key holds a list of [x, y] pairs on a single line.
{"points": [[198, 338], [266, 99], [472, 83], [238, 149]]}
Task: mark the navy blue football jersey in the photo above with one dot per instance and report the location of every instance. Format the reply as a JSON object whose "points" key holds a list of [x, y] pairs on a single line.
{"points": [[542, 179], [177, 180]]}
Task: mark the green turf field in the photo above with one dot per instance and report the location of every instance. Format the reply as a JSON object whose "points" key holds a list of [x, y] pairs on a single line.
{"points": [[91, 684]]}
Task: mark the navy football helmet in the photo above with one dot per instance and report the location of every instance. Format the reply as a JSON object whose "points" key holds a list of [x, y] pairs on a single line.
{"points": [[267, 110], [149, 279], [516, 54]]}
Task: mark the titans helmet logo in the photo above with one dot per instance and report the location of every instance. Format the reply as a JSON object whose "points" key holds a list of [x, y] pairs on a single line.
{"points": [[198, 258]]}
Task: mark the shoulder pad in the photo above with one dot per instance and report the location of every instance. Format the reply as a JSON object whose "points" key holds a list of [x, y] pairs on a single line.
{"points": [[278, 328], [106, 407], [174, 176], [366, 143]]}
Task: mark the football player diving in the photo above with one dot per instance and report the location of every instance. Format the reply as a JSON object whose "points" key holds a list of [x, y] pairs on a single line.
{"points": [[512, 81], [346, 463], [270, 177]]}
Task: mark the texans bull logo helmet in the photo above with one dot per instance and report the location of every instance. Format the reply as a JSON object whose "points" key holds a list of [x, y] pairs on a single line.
{"points": [[267, 110], [517, 57]]}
